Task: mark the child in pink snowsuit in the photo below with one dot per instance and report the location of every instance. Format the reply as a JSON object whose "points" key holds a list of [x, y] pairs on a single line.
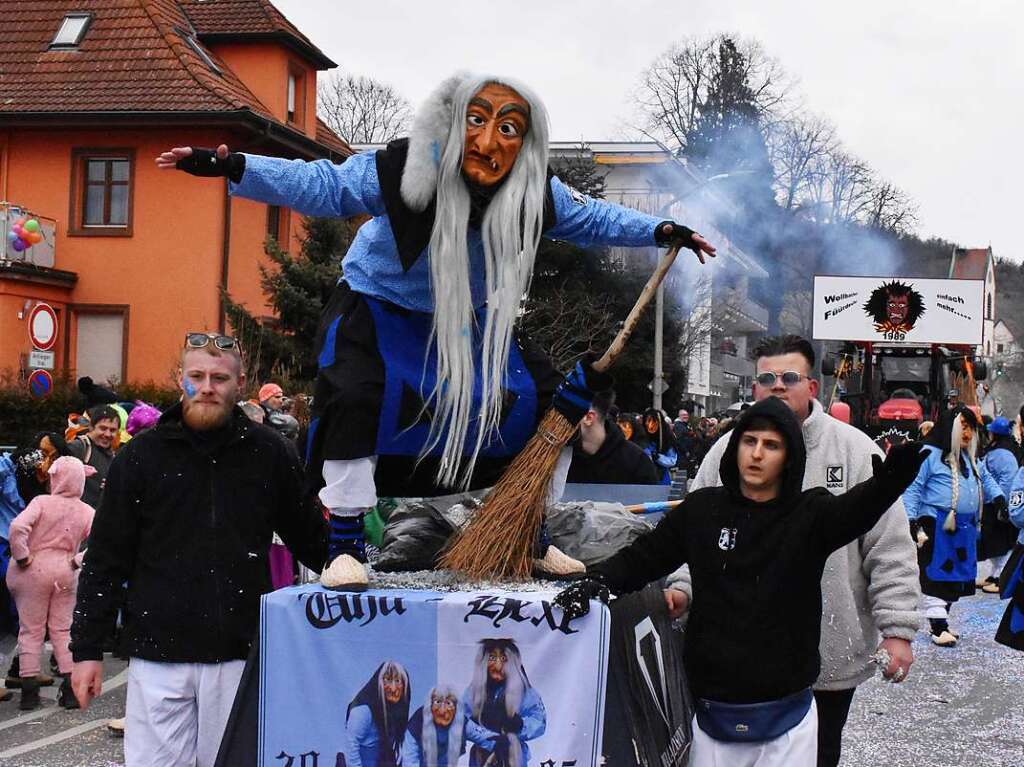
{"points": [[45, 538]]}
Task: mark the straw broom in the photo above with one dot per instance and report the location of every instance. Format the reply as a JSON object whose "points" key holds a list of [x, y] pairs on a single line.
{"points": [[499, 540]]}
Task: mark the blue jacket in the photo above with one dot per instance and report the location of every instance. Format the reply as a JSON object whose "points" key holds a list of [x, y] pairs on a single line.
{"points": [[931, 494], [1016, 503], [663, 461], [373, 265], [1002, 465], [363, 738], [535, 720], [11, 504]]}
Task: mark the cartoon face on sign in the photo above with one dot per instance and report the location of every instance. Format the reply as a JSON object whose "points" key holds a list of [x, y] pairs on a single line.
{"points": [[895, 307]]}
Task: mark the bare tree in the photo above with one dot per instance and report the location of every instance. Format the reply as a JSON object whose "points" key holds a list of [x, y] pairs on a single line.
{"points": [[673, 90], [570, 322], [889, 207], [362, 110], [798, 149]]}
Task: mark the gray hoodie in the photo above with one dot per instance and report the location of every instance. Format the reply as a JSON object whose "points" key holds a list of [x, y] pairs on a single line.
{"points": [[869, 587]]}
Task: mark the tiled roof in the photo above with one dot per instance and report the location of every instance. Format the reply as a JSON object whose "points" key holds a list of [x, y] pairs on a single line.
{"points": [[330, 139], [130, 59], [970, 263], [247, 18], [136, 56]]}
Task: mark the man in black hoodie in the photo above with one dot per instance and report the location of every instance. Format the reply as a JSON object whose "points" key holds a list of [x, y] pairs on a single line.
{"points": [[757, 547], [603, 456]]}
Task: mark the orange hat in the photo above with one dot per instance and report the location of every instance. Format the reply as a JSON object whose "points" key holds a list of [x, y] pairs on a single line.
{"points": [[270, 390]]}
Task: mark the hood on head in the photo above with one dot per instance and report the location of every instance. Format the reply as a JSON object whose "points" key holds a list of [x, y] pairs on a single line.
{"points": [[67, 477], [778, 413], [941, 436]]}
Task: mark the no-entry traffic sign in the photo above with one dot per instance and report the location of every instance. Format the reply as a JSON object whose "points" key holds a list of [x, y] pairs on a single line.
{"points": [[42, 326], [40, 383]]}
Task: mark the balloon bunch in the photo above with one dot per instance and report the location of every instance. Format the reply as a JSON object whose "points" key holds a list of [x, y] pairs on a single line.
{"points": [[24, 234]]}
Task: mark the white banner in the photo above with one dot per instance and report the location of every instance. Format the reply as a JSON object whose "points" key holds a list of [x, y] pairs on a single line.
{"points": [[886, 309], [411, 678]]}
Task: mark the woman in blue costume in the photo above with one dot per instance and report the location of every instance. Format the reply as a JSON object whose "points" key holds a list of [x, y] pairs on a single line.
{"points": [[423, 383], [503, 710], [1002, 460], [944, 504], [377, 717], [436, 736], [1011, 584]]}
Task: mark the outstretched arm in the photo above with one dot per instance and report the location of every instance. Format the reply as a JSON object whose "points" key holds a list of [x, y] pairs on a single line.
{"points": [[840, 519], [318, 188], [584, 221]]}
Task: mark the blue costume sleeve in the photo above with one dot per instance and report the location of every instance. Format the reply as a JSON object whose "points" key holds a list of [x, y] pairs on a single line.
{"points": [[1016, 502], [411, 756], [535, 718], [361, 734], [318, 188], [990, 489], [1003, 467], [912, 495], [475, 731], [667, 459], [585, 221]]}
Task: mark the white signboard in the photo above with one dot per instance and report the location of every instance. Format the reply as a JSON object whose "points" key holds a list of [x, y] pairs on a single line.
{"points": [[890, 309], [43, 360]]}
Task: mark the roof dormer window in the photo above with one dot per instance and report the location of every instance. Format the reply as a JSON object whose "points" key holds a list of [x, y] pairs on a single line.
{"points": [[72, 30]]}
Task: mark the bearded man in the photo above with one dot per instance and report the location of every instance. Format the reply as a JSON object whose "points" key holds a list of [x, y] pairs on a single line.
{"points": [[186, 521], [423, 383]]}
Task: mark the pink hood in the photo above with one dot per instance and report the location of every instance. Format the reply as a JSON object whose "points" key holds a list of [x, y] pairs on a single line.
{"points": [[67, 477]]}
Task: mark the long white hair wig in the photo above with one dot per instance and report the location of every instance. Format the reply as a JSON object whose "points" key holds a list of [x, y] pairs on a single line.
{"points": [[429, 734], [511, 230], [955, 448]]}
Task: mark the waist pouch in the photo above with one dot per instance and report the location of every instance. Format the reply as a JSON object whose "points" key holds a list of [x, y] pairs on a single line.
{"points": [[753, 722]]}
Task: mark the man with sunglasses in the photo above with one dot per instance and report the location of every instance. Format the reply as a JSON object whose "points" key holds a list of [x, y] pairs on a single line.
{"points": [[870, 587], [186, 522]]}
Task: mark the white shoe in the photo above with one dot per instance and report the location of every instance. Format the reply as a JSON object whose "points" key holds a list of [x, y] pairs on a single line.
{"points": [[945, 639], [116, 727], [556, 562], [345, 573]]}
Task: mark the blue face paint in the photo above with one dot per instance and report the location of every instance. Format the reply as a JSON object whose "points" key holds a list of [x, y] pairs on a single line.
{"points": [[189, 388]]}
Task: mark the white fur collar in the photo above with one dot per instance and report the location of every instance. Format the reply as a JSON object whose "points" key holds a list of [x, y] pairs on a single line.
{"points": [[427, 141]]}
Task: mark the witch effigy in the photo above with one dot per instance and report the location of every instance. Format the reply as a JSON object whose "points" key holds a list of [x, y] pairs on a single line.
{"points": [[424, 383]]}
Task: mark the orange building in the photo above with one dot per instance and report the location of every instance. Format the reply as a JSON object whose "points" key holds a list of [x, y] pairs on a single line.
{"points": [[134, 257]]}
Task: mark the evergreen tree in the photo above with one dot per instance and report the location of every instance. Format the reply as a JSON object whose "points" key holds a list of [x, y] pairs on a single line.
{"points": [[298, 289]]}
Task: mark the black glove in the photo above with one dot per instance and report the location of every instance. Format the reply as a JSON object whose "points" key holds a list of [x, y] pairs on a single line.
{"points": [[678, 234], [575, 600], [900, 465], [501, 748], [999, 504], [206, 163], [515, 724], [573, 396]]}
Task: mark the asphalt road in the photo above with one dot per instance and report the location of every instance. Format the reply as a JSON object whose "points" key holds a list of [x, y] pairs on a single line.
{"points": [[960, 706]]}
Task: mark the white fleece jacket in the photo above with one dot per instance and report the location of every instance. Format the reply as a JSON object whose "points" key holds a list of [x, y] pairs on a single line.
{"points": [[870, 586]]}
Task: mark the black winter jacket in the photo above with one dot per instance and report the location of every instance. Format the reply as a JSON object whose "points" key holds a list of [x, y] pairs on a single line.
{"points": [[616, 462], [186, 521], [754, 625]]}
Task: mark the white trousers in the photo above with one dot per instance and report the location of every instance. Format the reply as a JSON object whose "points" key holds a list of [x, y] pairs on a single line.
{"points": [[934, 608], [796, 748], [177, 712], [349, 488]]}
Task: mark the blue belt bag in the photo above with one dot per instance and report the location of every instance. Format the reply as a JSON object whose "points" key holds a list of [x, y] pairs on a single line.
{"points": [[753, 722]]}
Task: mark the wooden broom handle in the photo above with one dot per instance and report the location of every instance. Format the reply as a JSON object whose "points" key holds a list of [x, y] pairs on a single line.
{"points": [[609, 357]]}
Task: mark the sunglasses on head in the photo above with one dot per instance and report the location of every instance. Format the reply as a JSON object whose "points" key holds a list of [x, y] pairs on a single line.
{"points": [[789, 378], [199, 340]]}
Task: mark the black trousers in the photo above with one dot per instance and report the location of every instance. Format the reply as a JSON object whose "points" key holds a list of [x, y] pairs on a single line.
{"points": [[833, 708]]}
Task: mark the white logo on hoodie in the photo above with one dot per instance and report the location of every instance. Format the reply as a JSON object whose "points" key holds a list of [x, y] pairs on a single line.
{"points": [[727, 539]]}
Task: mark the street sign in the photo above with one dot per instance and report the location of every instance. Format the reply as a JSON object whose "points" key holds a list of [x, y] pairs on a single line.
{"points": [[43, 360], [42, 326], [40, 383], [664, 386]]}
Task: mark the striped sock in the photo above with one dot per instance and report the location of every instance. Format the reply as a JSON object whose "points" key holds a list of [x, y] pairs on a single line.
{"points": [[346, 537]]}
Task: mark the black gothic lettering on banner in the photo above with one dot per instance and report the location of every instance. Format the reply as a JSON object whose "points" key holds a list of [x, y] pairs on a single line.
{"points": [[499, 609], [324, 611]]}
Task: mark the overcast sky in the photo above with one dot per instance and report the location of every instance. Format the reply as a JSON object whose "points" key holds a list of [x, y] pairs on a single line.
{"points": [[928, 92]]}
